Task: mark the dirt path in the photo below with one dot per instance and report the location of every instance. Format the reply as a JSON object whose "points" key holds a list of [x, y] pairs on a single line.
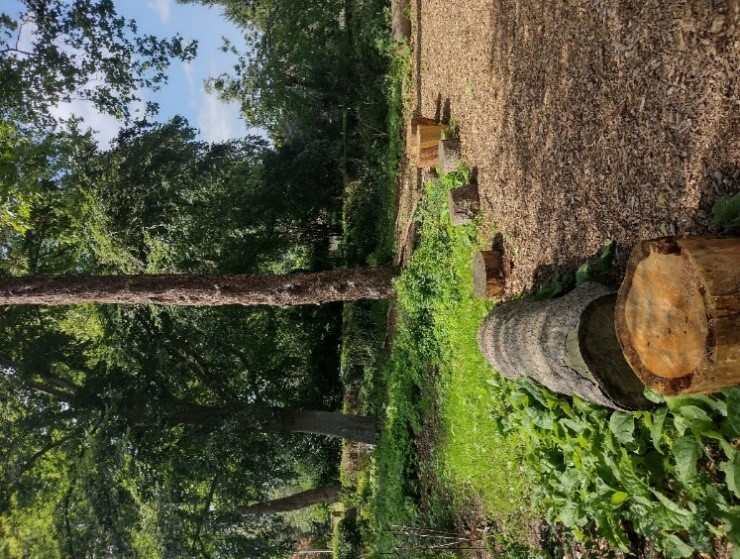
{"points": [[586, 120]]}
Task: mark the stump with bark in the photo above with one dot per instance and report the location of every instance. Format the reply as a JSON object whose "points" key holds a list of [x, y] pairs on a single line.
{"points": [[568, 345], [463, 203], [488, 273], [448, 155], [678, 313]]}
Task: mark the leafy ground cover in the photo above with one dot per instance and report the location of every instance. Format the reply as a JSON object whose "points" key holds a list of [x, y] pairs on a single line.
{"points": [[458, 438]]}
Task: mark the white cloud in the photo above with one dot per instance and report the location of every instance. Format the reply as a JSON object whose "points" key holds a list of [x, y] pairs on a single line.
{"points": [[104, 126], [189, 71], [161, 8], [216, 119]]}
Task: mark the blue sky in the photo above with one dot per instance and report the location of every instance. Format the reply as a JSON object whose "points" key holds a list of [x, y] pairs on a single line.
{"points": [[184, 92]]}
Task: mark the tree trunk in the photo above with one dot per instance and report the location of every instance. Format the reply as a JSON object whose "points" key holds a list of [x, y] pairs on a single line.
{"points": [[332, 424], [297, 501], [193, 290], [678, 313], [566, 344], [276, 420]]}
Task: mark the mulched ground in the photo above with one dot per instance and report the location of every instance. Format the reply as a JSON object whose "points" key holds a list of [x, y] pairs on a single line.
{"points": [[586, 120]]}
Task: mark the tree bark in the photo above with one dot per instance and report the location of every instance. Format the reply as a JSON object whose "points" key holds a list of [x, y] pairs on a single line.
{"points": [[277, 420], [678, 313], [297, 501], [464, 204], [194, 290], [566, 344]]}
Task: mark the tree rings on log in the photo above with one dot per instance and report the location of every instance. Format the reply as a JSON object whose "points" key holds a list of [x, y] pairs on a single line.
{"points": [[463, 203], [678, 313], [567, 344], [488, 273]]}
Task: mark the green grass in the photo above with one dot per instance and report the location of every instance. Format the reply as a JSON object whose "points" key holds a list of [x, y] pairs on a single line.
{"points": [[437, 379]]}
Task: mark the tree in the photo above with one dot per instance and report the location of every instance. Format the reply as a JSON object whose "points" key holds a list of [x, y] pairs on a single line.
{"points": [[314, 496], [189, 290], [79, 50]]}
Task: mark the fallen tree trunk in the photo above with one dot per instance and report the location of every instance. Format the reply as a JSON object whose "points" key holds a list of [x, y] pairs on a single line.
{"points": [[566, 344], [678, 313]]}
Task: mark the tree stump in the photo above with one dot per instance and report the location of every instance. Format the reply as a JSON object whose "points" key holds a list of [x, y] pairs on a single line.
{"points": [[448, 155], [400, 22], [678, 313], [422, 141], [568, 345], [488, 273], [463, 203]]}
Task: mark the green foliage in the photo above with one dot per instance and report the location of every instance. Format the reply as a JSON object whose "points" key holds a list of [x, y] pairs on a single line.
{"points": [[669, 475], [73, 46], [347, 542], [726, 211]]}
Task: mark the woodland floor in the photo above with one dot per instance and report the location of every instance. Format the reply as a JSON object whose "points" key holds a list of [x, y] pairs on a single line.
{"points": [[585, 120]]}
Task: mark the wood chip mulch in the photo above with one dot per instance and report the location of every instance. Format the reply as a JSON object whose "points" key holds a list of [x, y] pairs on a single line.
{"points": [[586, 120]]}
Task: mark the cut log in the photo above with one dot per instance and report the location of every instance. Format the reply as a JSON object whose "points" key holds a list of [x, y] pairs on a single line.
{"points": [[464, 204], [568, 345], [412, 136], [678, 313], [488, 273], [422, 141], [448, 155], [400, 22]]}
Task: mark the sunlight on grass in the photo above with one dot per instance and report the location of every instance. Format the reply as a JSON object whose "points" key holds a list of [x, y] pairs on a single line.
{"points": [[474, 454]]}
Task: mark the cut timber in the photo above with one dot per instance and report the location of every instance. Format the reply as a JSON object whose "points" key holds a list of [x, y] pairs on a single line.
{"points": [[422, 141], [488, 273], [448, 155], [678, 313], [568, 345], [464, 204], [412, 136]]}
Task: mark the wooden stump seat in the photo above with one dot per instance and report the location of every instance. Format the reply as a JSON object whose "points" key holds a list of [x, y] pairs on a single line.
{"points": [[678, 313], [422, 141], [463, 204], [566, 344]]}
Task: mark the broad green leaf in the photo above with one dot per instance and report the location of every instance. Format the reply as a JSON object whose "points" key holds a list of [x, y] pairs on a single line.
{"points": [[619, 497], [731, 469], [686, 450], [733, 409], [675, 547], [622, 425], [656, 432], [671, 516], [699, 400], [653, 396], [696, 418]]}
